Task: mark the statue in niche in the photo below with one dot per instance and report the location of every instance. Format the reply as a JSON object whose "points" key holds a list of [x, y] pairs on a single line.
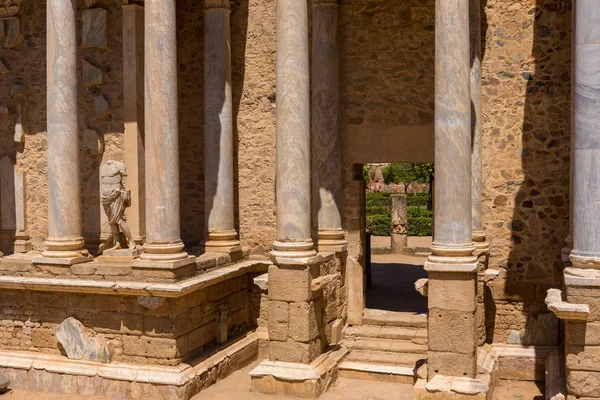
{"points": [[115, 199]]}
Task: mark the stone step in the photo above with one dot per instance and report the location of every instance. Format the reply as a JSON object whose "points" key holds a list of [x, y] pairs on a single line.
{"points": [[391, 318], [410, 360], [416, 335], [383, 373], [389, 345]]}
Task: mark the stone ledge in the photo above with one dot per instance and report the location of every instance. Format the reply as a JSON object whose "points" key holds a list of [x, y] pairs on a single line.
{"points": [[133, 288], [582, 277], [564, 310], [190, 377]]}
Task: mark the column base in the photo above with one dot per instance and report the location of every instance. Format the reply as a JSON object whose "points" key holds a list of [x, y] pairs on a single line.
{"points": [[332, 241], [222, 242], [67, 251], [584, 261], [300, 251], [163, 252], [482, 247], [164, 264]]}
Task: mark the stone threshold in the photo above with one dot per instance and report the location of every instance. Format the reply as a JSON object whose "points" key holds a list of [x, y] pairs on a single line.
{"points": [[521, 363], [379, 372], [190, 377], [134, 288]]}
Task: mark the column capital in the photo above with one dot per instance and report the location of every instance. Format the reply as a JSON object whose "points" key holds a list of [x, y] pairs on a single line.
{"points": [[217, 4]]}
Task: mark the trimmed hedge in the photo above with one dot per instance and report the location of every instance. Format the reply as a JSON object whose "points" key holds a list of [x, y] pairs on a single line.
{"points": [[420, 226], [378, 210], [416, 212], [379, 225], [417, 199]]}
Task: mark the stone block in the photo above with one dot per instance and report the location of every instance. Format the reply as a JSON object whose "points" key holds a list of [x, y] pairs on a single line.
{"points": [[297, 352], [203, 335], [582, 333], [303, 326], [452, 291], [271, 385], [452, 331], [94, 28], [593, 302], [582, 358], [289, 283], [278, 320], [522, 368], [153, 347], [583, 383], [451, 364]]}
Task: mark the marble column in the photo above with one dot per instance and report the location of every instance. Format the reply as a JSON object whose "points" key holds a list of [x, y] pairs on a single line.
{"points": [[478, 234], [163, 229], [133, 110], [222, 236], [586, 124], [293, 133], [327, 171], [65, 242], [452, 267]]}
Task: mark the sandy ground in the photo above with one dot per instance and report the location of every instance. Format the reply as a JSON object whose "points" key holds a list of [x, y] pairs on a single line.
{"points": [[413, 241], [237, 387]]}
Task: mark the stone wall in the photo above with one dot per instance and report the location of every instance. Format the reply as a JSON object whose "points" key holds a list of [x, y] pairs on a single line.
{"points": [[526, 134], [172, 331]]}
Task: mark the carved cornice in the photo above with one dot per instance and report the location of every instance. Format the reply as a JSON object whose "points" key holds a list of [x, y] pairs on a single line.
{"points": [[9, 8], [217, 4]]}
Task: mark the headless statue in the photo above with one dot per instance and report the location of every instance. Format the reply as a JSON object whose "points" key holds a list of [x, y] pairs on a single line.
{"points": [[115, 199]]}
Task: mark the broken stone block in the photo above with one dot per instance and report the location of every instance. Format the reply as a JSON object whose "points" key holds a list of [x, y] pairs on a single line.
{"points": [[3, 68], [71, 335], [97, 350], [92, 76], [94, 28], [19, 136], [101, 106], [14, 32], [93, 141], [150, 302]]}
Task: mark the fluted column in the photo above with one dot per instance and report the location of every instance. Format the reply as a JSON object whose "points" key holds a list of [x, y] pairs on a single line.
{"points": [[163, 236], [452, 267], [327, 171], [222, 236], [586, 125], [65, 242], [478, 234], [293, 132]]}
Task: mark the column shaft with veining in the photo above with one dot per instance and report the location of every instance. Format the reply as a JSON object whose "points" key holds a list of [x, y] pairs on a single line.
{"points": [[162, 141], [65, 241], [293, 131], [327, 172], [218, 130]]}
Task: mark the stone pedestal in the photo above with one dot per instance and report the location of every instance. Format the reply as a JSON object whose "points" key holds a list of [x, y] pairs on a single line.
{"points": [[452, 267], [326, 160], [399, 223], [221, 234], [65, 242], [163, 248]]}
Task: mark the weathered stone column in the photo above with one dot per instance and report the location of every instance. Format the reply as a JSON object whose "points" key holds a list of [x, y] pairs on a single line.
{"points": [[293, 326], [452, 267], [218, 130], [327, 171], [163, 243], [65, 242], [399, 223], [478, 233], [582, 280], [133, 110], [293, 132]]}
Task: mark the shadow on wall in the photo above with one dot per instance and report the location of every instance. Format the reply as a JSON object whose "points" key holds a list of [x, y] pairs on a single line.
{"points": [[539, 223], [190, 18]]}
